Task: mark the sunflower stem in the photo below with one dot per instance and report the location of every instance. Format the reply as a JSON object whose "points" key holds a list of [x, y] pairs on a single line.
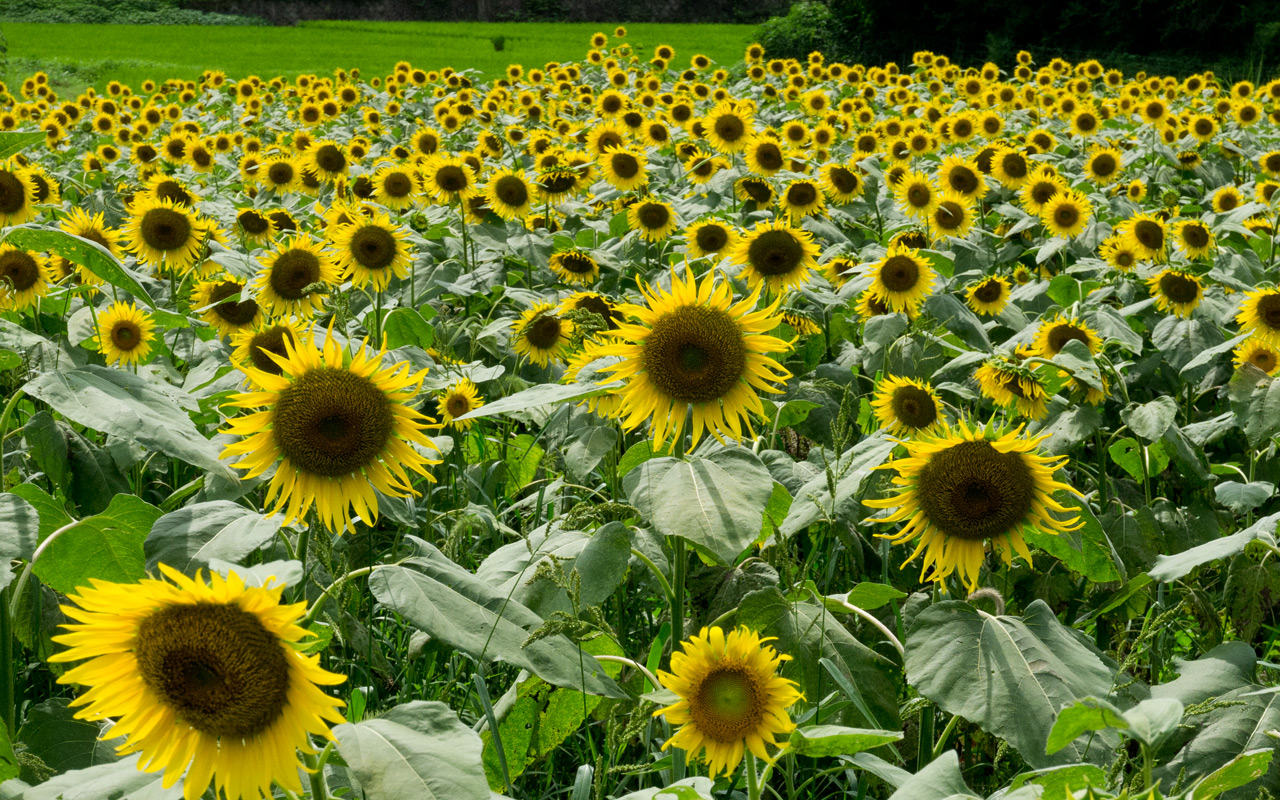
{"points": [[753, 778], [9, 409], [7, 700], [315, 775]]}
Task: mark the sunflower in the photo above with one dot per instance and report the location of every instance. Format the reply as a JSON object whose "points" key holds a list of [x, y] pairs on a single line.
{"points": [[254, 226], [1260, 315], [701, 167], [765, 157], [1147, 234], [710, 238], [988, 296], [252, 345], [1192, 238], [1176, 291], [1013, 387], [165, 235], [916, 195], [280, 173], [1227, 198], [801, 198], [841, 183], [1136, 190], [542, 335], [1260, 354], [559, 183], [326, 159], [295, 278], [597, 304], [24, 276], [654, 219], [1010, 167], [1066, 213], [905, 406], [623, 167], [459, 399], [17, 194], [754, 190], [964, 485], [393, 186], [124, 334], [1040, 188], [902, 279], [207, 679], [508, 194], [1120, 253], [575, 266], [728, 128], [1103, 166], [954, 216], [962, 177], [228, 316], [339, 431], [776, 254], [371, 250], [731, 697], [448, 178], [1054, 334]]}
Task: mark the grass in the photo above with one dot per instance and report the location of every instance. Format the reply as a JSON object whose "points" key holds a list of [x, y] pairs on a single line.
{"points": [[79, 55]]}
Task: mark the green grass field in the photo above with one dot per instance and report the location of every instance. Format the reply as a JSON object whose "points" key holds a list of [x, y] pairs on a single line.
{"points": [[77, 55]]}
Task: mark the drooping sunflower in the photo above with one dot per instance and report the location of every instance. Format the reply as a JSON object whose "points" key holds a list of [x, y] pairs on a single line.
{"points": [[251, 345], [916, 195], [624, 167], [1176, 291], [1258, 353], [695, 349], [965, 485], [164, 235], [905, 406], [777, 255], [1014, 387], [728, 128], [17, 194], [334, 431], [1066, 213], [989, 296], [124, 334], [393, 186], [575, 266], [1147, 234], [841, 182], [254, 225], [902, 279], [207, 679], [226, 315], [458, 400], [371, 250], [732, 699], [1119, 252], [542, 335], [509, 194], [24, 276], [1192, 238], [654, 219], [953, 216], [1260, 315], [801, 198], [295, 278], [710, 237], [1054, 334]]}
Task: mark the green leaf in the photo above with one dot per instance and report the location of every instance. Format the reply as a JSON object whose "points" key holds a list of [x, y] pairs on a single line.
{"points": [[19, 528], [52, 513], [1181, 340], [524, 455], [61, 741], [1244, 497], [1127, 454], [1059, 782], [834, 740], [587, 448], [122, 404], [8, 761], [814, 501], [1255, 400], [442, 599], [48, 447], [405, 326], [940, 780], [119, 780], [12, 142], [1009, 675], [1251, 591], [107, 547], [1238, 724], [1150, 721], [187, 539], [1171, 568], [1086, 550], [639, 453], [90, 255], [544, 394], [417, 750], [698, 788], [867, 595], [715, 502], [1239, 771], [1151, 420]]}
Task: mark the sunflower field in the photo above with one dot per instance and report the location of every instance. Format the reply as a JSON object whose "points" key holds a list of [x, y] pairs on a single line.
{"points": [[622, 429]]}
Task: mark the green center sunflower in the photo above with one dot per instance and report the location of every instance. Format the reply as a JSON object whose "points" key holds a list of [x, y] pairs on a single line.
{"points": [[126, 335], [900, 273], [1264, 360], [332, 422], [272, 340], [914, 407], [695, 354], [236, 313], [19, 270], [972, 491], [711, 238], [373, 247], [728, 704], [165, 229], [775, 253], [216, 665], [919, 195], [1066, 215], [292, 272]]}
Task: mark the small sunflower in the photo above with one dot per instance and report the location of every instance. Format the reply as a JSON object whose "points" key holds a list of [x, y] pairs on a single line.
{"points": [[1120, 253], [327, 160], [1176, 291], [1227, 198], [765, 157], [731, 697], [509, 194], [1192, 238], [965, 485], [654, 219], [206, 679], [1147, 234], [295, 278], [623, 167], [542, 335], [902, 279], [710, 237], [458, 400], [254, 225], [575, 266], [1066, 213], [1054, 334], [24, 276], [1260, 354], [449, 178], [334, 431], [17, 194], [280, 173], [597, 304], [962, 177], [777, 255], [1040, 188], [989, 296], [1010, 167], [841, 183], [393, 186], [801, 198], [228, 316], [1013, 387], [371, 250], [728, 128], [695, 348], [1103, 166], [167, 236], [1260, 315], [953, 216], [124, 334], [904, 406]]}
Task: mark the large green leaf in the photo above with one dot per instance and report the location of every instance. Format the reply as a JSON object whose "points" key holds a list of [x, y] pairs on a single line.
{"points": [[119, 780], [122, 404], [52, 513], [90, 255], [544, 394], [1238, 724], [814, 500], [698, 788], [1010, 675], [940, 780], [107, 546], [1171, 568], [1086, 550], [1255, 400], [190, 537], [442, 599], [61, 741], [836, 740], [1150, 722], [416, 750], [715, 502], [1239, 771], [1151, 420], [19, 527], [13, 142]]}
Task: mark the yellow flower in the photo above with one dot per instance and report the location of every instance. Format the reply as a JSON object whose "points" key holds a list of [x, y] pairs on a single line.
{"points": [[1260, 315], [1176, 291], [906, 406], [164, 234], [211, 299], [777, 255], [542, 335], [1054, 334], [24, 276], [124, 334], [575, 266], [1260, 354], [988, 296], [295, 278], [953, 216], [371, 250], [458, 400], [654, 219], [902, 279], [1066, 213]]}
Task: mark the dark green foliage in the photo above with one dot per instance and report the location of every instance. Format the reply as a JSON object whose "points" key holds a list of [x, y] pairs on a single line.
{"points": [[807, 27], [116, 12]]}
